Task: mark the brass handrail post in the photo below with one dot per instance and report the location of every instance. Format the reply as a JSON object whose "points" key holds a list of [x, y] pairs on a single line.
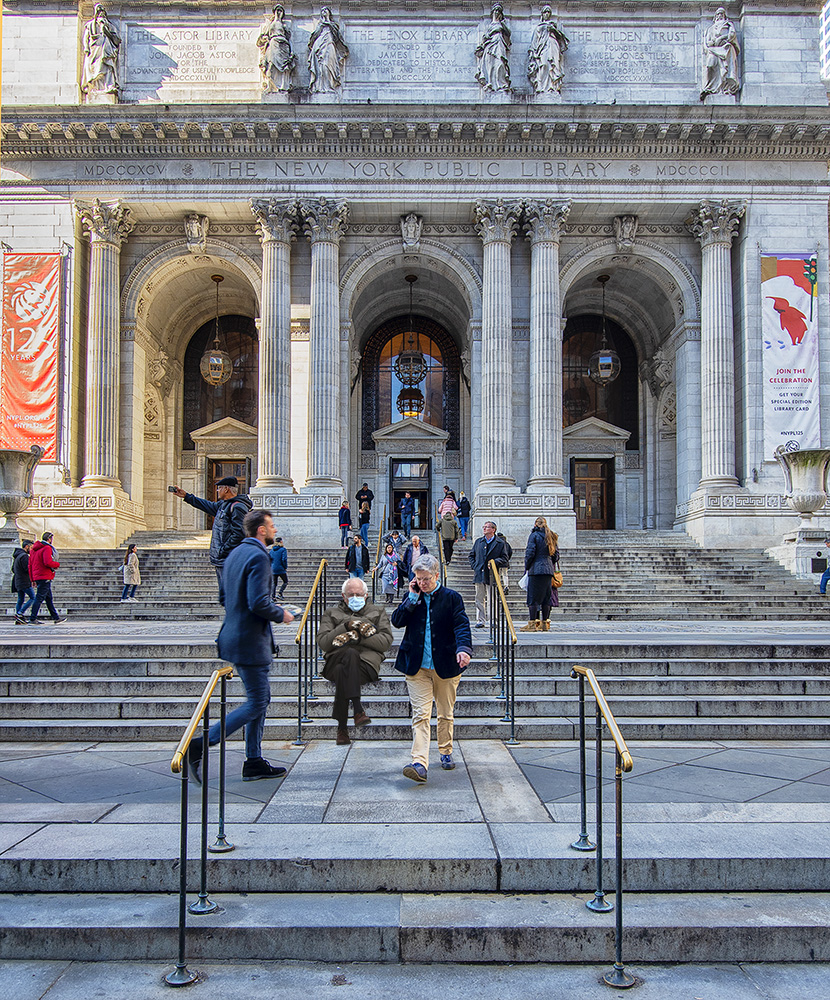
{"points": [[599, 904], [583, 844], [181, 975], [618, 976], [221, 844], [204, 904], [504, 649], [305, 640]]}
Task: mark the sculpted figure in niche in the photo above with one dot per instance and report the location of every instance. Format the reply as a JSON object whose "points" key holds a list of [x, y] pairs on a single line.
{"points": [[625, 232], [411, 226], [493, 52], [721, 57], [544, 57], [195, 231], [276, 60], [327, 53], [101, 44]]}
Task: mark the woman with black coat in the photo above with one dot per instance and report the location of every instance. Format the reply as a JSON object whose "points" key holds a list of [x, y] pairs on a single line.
{"points": [[541, 557]]}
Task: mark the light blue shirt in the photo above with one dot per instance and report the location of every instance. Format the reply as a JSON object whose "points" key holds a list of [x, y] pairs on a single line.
{"points": [[426, 663]]}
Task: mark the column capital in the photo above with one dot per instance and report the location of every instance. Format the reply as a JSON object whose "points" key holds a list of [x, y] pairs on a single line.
{"points": [[715, 222], [324, 220], [497, 222], [543, 220], [276, 220], [105, 222]]}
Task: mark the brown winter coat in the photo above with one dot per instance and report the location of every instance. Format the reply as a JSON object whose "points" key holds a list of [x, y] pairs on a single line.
{"points": [[449, 528], [372, 649]]}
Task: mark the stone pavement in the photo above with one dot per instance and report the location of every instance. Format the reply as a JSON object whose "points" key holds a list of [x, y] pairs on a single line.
{"points": [[323, 981]]}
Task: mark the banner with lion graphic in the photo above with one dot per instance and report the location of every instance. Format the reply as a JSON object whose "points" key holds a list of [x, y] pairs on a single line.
{"points": [[29, 353], [789, 311]]}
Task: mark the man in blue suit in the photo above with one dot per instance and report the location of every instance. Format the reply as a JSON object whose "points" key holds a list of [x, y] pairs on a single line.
{"points": [[246, 640], [435, 649]]}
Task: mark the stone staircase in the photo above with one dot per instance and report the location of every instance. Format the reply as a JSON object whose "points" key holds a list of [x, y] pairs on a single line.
{"points": [[146, 690], [609, 576]]}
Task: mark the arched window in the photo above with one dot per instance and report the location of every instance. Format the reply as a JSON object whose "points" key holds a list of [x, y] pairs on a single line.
{"points": [[615, 403], [381, 387], [205, 404]]}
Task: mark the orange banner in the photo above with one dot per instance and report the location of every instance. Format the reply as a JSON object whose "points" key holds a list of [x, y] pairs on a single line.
{"points": [[29, 353]]}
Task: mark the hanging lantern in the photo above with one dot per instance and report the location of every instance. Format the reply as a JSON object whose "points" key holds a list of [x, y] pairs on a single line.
{"points": [[410, 366], [410, 402], [216, 366], [604, 365]]}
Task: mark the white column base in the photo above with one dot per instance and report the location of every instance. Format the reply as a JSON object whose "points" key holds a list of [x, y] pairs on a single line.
{"points": [[798, 549], [514, 514], [274, 484]]}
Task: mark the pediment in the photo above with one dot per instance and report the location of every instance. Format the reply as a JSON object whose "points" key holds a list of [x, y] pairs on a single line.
{"points": [[593, 428], [410, 429], [228, 428]]}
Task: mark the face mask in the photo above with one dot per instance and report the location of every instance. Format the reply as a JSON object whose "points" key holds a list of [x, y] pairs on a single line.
{"points": [[356, 603]]}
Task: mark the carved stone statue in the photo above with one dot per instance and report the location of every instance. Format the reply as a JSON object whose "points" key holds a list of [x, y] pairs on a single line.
{"points": [[544, 57], [625, 232], [327, 54], [101, 45], [493, 52], [195, 231], [411, 226], [276, 60], [721, 57]]}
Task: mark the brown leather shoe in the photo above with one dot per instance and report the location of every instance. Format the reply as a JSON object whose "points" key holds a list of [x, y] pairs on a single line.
{"points": [[361, 719], [343, 738]]}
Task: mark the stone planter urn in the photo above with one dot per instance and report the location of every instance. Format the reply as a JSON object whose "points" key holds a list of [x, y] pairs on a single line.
{"points": [[17, 469], [805, 476]]}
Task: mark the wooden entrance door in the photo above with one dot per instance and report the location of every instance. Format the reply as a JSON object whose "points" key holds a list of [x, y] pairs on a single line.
{"points": [[219, 469], [593, 489]]}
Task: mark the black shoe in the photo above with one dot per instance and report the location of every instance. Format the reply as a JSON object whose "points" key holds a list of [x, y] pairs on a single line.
{"points": [[36, 621], [58, 620], [256, 768], [20, 620]]}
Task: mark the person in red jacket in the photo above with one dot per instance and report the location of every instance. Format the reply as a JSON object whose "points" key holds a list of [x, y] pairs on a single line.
{"points": [[43, 562]]}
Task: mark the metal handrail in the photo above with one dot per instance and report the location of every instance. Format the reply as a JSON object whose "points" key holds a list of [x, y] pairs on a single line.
{"points": [[181, 975], [623, 763], [504, 640], [442, 566], [307, 652], [607, 714], [377, 553]]}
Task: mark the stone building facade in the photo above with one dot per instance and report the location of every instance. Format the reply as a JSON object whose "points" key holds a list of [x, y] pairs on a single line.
{"points": [[505, 159]]}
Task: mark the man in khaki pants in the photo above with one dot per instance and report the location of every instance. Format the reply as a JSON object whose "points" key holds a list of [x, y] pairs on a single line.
{"points": [[435, 649]]}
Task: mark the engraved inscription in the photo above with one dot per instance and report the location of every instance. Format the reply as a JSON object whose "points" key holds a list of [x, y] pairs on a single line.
{"points": [[414, 54], [166, 54], [632, 55]]}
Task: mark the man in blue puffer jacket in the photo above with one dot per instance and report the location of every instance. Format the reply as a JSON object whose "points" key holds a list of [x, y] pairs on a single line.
{"points": [[279, 567]]}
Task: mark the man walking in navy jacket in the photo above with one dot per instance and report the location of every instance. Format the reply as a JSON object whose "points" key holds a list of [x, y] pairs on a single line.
{"points": [[435, 649], [246, 640]]}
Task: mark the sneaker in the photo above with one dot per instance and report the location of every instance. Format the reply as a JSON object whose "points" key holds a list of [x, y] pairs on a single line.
{"points": [[256, 768], [447, 762], [20, 620], [124, 600], [133, 600], [480, 625], [58, 620], [35, 621], [415, 771]]}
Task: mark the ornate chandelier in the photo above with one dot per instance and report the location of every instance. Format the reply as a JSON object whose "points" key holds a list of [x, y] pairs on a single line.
{"points": [[410, 402], [410, 366], [216, 366], [604, 365]]}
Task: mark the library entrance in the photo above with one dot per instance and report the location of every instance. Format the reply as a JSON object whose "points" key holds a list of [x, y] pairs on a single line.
{"points": [[593, 490], [406, 476]]}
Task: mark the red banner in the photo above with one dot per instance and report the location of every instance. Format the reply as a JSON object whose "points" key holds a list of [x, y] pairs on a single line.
{"points": [[29, 352]]}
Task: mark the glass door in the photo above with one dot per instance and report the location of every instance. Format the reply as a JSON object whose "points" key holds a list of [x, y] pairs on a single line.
{"points": [[593, 485]]}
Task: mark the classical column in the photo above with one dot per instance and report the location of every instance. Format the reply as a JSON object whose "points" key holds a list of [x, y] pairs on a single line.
{"points": [[496, 224], [543, 221], [324, 223], [107, 225], [714, 225], [276, 221]]}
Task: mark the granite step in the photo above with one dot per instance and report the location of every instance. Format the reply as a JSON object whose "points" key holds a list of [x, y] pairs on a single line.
{"points": [[418, 927]]}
